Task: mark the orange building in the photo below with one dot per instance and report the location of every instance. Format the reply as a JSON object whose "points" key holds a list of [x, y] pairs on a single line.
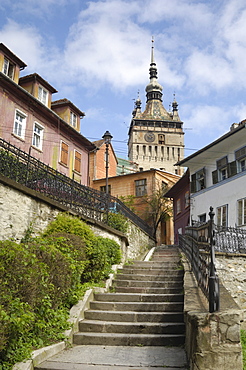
{"points": [[97, 163]]}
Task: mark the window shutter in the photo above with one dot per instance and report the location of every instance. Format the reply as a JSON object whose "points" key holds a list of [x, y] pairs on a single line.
{"points": [[193, 183], [215, 177], [232, 168], [77, 161], [64, 153], [204, 176]]}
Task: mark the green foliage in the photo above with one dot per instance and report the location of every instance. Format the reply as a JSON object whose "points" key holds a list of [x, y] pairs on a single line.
{"points": [[129, 201], [117, 221], [72, 225], [41, 278], [243, 342]]}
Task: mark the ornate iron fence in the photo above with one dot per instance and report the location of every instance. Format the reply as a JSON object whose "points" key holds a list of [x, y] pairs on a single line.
{"points": [[29, 171], [198, 245]]}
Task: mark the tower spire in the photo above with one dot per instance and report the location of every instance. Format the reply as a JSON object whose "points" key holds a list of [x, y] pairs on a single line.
{"points": [[153, 89]]}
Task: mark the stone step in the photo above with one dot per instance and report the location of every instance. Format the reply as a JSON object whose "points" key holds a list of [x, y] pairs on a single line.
{"points": [[140, 271], [137, 306], [126, 316], [156, 284], [131, 327], [117, 339], [155, 264], [148, 277], [131, 297], [147, 290]]}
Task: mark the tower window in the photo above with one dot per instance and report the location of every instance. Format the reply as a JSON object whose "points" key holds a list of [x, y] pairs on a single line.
{"points": [[161, 139], [144, 149]]}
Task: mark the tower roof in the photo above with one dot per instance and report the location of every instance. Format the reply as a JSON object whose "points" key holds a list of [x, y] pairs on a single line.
{"points": [[154, 109]]}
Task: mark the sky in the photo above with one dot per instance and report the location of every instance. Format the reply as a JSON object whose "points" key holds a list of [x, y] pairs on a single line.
{"points": [[97, 55]]}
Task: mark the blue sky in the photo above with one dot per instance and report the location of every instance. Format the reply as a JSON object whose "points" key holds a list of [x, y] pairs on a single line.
{"points": [[97, 54]]}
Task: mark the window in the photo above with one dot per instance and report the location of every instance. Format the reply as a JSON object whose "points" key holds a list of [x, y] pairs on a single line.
{"points": [[241, 159], [73, 119], [20, 124], [202, 218], [178, 205], [187, 199], [222, 168], [161, 139], [43, 95], [37, 140], [64, 153], [103, 189], [141, 187], [198, 181], [222, 216], [77, 161], [241, 212], [8, 68]]}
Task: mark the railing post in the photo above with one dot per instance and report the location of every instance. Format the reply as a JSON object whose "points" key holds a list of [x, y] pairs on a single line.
{"points": [[213, 279]]}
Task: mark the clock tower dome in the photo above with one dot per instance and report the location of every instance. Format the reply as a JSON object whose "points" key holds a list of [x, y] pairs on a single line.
{"points": [[156, 137]]}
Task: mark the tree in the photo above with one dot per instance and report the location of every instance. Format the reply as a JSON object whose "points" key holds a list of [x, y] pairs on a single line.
{"points": [[156, 208]]}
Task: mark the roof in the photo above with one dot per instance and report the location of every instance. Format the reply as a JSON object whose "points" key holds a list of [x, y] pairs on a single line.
{"points": [[36, 76], [179, 185], [234, 130], [66, 102], [12, 56], [172, 177], [46, 111]]}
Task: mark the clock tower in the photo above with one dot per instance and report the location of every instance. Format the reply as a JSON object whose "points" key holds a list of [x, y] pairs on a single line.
{"points": [[156, 137]]}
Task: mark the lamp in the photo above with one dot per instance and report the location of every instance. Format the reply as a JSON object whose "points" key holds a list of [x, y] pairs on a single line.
{"points": [[107, 139]]}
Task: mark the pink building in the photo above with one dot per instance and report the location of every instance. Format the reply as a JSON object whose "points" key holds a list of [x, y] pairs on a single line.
{"points": [[48, 130]]}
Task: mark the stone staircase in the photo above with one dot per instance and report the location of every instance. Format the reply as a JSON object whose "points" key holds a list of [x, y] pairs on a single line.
{"points": [[144, 308], [138, 325]]}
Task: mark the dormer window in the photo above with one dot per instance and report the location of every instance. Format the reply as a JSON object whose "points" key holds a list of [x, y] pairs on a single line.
{"points": [[43, 95], [8, 68], [73, 119]]}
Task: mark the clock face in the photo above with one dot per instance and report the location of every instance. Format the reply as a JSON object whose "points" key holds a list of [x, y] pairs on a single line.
{"points": [[149, 137]]}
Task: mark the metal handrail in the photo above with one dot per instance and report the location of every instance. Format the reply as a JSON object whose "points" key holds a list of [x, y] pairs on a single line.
{"points": [[34, 174], [198, 246]]}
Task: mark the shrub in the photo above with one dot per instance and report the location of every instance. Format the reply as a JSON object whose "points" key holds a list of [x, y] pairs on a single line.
{"points": [[117, 221], [41, 278], [72, 225]]}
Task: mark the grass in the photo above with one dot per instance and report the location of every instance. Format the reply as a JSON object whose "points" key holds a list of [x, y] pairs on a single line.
{"points": [[243, 342]]}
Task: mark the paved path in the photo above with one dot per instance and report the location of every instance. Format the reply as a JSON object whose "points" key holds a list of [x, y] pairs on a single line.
{"points": [[118, 358]]}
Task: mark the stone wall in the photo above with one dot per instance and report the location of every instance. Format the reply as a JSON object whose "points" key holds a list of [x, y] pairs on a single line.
{"points": [[231, 269], [212, 339], [22, 208]]}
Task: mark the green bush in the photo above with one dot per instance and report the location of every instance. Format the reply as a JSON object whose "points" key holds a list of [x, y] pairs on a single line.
{"points": [[243, 342], [117, 221], [72, 225], [41, 278]]}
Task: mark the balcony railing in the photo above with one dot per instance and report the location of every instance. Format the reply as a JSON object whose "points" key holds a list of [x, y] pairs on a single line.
{"points": [[29, 171]]}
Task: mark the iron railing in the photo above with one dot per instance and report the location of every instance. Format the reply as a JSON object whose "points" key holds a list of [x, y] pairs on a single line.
{"points": [[198, 246], [29, 171]]}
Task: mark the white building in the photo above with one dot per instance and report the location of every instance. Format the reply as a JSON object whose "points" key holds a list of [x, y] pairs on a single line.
{"points": [[218, 179]]}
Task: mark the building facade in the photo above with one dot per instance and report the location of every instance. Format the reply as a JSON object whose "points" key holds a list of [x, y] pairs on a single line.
{"points": [[180, 194], [156, 137], [30, 120], [218, 177], [132, 189]]}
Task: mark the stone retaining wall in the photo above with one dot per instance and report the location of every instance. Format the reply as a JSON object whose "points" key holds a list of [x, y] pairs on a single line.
{"points": [[22, 208], [212, 340], [231, 269]]}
